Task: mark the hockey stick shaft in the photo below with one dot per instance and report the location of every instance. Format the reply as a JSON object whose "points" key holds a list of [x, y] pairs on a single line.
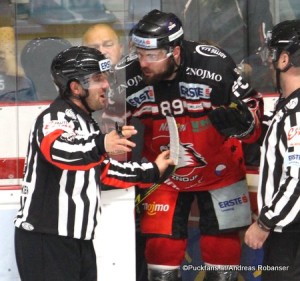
{"points": [[174, 154]]}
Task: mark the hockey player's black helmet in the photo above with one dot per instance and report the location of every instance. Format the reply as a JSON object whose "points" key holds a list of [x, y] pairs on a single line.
{"points": [[285, 36], [157, 30], [77, 63]]}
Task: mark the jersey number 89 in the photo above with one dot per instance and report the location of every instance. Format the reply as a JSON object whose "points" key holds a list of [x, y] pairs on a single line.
{"points": [[174, 107]]}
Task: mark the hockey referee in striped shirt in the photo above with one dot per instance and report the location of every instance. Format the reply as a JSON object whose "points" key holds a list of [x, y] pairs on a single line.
{"points": [[66, 160], [277, 229]]}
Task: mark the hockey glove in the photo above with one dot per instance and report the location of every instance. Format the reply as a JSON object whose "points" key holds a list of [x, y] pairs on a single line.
{"points": [[235, 120]]}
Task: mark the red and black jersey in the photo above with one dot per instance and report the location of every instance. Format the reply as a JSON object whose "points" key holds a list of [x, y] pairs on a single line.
{"points": [[64, 164], [207, 77]]}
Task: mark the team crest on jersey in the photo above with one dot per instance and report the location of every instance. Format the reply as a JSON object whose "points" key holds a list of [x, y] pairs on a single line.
{"points": [[142, 96], [188, 157], [210, 51], [189, 161]]}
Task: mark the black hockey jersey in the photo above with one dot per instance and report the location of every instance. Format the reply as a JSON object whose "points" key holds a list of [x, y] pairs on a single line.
{"points": [[207, 77]]}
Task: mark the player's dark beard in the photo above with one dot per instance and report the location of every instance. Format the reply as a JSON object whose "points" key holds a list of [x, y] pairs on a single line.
{"points": [[171, 68]]}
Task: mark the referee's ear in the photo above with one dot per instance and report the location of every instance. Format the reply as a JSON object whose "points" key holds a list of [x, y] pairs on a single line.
{"points": [[283, 61], [75, 88]]}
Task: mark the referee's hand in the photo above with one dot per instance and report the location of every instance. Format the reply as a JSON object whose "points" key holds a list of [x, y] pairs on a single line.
{"points": [[116, 142], [163, 161]]}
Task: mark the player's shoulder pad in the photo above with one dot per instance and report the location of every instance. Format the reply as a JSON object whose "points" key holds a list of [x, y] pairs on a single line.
{"points": [[126, 61]]}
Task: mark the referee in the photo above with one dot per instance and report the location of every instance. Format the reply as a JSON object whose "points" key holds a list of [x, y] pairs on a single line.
{"points": [[277, 229], [66, 158]]}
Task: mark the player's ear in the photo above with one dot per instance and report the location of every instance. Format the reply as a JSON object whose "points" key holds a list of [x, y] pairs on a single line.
{"points": [[176, 52]]}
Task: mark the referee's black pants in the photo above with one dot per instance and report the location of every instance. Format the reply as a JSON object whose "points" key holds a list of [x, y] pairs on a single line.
{"points": [[282, 257], [46, 257]]}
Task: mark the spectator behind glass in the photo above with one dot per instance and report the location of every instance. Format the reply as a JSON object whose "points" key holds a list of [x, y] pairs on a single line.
{"points": [[106, 39], [14, 86]]}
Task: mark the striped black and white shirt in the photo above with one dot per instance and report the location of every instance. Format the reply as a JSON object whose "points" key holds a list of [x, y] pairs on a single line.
{"points": [[279, 184], [64, 163]]}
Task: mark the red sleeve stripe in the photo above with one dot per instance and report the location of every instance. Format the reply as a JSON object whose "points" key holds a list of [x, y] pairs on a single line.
{"points": [[46, 146]]}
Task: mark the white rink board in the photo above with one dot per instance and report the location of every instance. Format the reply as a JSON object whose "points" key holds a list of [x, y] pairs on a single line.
{"points": [[114, 242], [115, 236], [9, 200], [17, 125]]}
